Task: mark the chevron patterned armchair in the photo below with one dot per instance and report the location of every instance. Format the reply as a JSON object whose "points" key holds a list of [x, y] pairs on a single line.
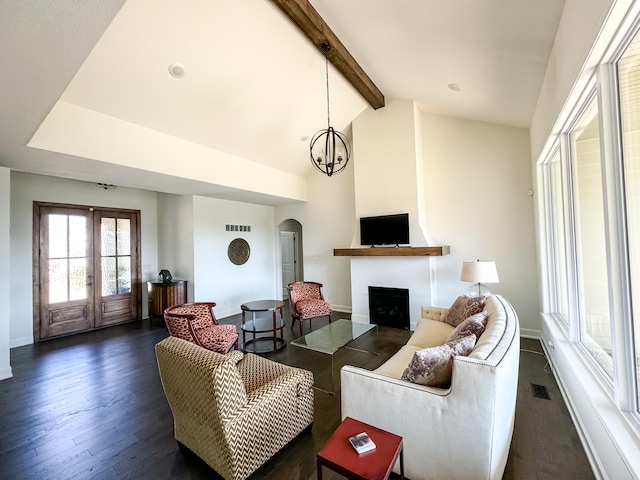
{"points": [[234, 411]]}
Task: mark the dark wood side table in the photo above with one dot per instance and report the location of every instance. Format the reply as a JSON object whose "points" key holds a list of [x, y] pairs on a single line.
{"points": [[165, 294], [263, 325], [339, 456]]}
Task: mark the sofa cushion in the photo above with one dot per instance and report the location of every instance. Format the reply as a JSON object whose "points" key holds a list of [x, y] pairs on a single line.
{"points": [[398, 363], [472, 325], [433, 366], [463, 308], [429, 333]]}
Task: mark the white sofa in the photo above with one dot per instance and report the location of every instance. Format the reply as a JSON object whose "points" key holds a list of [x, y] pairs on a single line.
{"points": [[461, 432]]}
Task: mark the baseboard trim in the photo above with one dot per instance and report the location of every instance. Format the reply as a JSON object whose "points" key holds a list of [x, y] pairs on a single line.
{"points": [[607, 435], [5, 373], [20, 342]]}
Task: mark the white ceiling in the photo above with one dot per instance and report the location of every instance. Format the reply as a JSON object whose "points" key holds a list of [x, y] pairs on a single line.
{"points": [[253, 85]]}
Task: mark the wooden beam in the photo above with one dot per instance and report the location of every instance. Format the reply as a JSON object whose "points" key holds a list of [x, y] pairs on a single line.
{"points": [[309, 21]]}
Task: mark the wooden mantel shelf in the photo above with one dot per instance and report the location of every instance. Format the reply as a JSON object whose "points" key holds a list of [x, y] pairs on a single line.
{"points": [[392, 252]]}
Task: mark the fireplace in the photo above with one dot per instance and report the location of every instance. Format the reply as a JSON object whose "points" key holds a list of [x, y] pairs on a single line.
{"points": [[389, 307]]}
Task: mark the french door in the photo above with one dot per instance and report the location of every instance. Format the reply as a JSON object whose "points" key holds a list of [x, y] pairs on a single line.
{"points": [[86, 268]]}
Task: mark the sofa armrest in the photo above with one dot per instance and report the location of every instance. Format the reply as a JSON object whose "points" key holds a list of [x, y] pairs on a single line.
{"points": [[434, 423]]}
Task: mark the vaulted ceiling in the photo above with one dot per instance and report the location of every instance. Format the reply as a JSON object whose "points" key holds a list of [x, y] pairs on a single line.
{"points": [[88, 86]]}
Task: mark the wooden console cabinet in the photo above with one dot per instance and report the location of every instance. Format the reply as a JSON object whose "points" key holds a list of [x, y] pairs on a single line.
{"points": [[165, 294]]}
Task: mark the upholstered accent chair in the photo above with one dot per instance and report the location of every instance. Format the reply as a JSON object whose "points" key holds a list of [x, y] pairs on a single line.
{"points": [[196, 322], [306, 302], [234, 411]]}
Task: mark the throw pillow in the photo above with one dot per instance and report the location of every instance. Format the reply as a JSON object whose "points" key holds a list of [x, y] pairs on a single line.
{"points": [[474, 325], [463, 308], [433, 366]]}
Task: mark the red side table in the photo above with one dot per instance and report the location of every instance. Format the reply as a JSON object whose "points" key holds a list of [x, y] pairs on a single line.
{"points": [[339, 456]]}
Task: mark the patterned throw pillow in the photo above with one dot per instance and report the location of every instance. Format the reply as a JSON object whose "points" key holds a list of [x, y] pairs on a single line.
{"points": [[473, 325], [463, 308], [433, 366]]}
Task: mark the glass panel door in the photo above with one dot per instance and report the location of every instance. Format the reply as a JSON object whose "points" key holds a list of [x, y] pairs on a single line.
{"points": [[66, 271]]}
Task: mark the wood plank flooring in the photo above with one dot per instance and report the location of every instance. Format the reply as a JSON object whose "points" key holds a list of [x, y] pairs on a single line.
{"points": [[91, 406]]}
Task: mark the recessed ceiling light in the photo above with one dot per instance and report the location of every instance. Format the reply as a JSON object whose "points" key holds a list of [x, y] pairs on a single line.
{"points": [[177, 70], [454, 87]]}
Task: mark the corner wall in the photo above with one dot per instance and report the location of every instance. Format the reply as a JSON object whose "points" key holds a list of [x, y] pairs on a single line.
{"points": [[5, 255], [478, 187]]}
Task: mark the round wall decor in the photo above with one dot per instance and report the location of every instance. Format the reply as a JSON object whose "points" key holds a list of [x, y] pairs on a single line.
{"points": [[238, 251]]}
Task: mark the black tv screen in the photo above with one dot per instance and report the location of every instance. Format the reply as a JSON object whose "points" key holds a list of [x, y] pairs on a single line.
{"points": [[385, 230]]}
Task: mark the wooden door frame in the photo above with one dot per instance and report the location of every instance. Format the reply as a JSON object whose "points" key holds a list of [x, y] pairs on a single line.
{"points": [[136, 270]]}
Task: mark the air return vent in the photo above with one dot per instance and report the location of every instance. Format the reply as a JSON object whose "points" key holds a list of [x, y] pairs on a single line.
{"points": [[540, 391]]}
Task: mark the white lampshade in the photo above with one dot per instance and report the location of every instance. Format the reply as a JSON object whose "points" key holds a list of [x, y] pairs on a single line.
{"points": [[479, 272]]}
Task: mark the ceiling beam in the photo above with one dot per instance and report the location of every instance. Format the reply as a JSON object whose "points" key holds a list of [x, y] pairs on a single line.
{"points": [[307, 19]]}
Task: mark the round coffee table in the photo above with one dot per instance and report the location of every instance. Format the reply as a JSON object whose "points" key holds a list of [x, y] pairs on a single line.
{"points": [[271, 325]]}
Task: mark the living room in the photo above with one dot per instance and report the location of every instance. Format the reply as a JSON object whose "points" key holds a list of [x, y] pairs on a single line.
{"points": [[472, 187]]}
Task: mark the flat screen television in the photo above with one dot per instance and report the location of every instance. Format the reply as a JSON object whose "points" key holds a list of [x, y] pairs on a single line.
{"points": [[385, 230]]}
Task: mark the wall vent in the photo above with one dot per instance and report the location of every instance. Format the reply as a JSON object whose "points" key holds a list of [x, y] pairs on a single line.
{"points": [[540, 391], [237, 228]]}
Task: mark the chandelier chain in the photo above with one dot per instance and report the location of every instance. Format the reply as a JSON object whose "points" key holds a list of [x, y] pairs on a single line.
{"points": [[326, 64]]}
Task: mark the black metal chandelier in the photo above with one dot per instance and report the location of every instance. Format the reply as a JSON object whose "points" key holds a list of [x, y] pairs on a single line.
{"points": [[329, 149]]}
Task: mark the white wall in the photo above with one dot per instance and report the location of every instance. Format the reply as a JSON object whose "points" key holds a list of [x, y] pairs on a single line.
{"points": [[216, 278], [175, 238], [580, 25], [5, 297], [477, 181], [328, 221], [27, 188]]}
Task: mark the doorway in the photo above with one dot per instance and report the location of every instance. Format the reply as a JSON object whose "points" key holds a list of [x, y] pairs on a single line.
{"points": [[291, 253], [86, 268]]}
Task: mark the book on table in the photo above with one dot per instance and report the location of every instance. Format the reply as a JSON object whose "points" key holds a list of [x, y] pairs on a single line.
{"points": [[362, 443]]}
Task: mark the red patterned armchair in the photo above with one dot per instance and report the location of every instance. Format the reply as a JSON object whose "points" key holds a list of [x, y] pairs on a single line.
{"points": [[307, 302], [196, 323]]}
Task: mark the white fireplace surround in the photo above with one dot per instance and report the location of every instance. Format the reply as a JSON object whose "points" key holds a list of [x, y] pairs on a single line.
{"points": [[412, 273]]}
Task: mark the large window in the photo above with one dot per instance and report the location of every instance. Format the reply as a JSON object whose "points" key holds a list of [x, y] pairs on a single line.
{"points": [[629, 94], [557, 251], [590, 246], [592, 217]]}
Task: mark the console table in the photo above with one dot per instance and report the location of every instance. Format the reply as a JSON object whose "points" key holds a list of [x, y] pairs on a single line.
{"points": [[164, 295]]}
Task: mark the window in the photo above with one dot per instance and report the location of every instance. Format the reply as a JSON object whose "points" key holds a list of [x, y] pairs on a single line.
{"points": [[590, 248], [629, 94], [557, 275]]}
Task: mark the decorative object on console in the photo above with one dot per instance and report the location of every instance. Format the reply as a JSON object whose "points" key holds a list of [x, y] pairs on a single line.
{"points": [[164, 276], [479, 273], [330, 150]]}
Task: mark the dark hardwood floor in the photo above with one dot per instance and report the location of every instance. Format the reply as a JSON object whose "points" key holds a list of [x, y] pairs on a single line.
{"points": [[91, 406]]}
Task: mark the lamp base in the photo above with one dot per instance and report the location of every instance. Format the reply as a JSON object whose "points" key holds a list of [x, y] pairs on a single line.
{"points": [[478, 290]]}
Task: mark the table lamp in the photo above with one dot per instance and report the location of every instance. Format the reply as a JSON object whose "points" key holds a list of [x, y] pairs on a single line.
{"points": [[479, 273]]}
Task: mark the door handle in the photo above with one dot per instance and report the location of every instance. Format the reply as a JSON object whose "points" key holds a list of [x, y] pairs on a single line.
{"points": [[89, 281]]}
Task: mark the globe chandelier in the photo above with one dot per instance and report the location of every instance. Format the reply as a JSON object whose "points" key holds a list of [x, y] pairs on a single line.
{"points": [[330, 149]]}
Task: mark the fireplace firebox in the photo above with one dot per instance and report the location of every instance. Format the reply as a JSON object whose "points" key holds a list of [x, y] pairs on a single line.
{"points": [[389, 307]]}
